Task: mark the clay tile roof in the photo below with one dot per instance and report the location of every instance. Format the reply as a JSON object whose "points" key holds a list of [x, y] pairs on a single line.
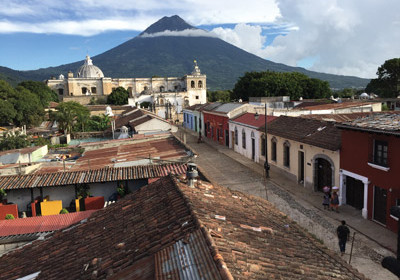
{"points": [[249, 120], [107, 174], [313, 132], [41, 223], [385, 123], [169, 231], [339, 118]]}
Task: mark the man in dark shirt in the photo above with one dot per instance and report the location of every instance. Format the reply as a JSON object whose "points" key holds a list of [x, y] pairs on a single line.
{"points": [[343, 234]]}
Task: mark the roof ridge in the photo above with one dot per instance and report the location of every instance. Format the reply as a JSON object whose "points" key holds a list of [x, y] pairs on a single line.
{"points": [[214, 252]]}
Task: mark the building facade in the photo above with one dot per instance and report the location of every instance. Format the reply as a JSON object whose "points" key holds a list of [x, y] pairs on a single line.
{"points": [[305, 150], [89, 82], [370, 166]]}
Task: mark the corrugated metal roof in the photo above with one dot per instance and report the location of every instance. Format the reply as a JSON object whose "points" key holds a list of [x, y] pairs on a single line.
{"points": [[41, 223], [107, 174], [227, 107], [186, 259]]}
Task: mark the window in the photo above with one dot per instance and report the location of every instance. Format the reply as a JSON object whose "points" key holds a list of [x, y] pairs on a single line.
{"points": [[286, 154], [197, 97], [243, 139], [94, 90], [273, 149], [380, 153], [162, 88], [192, 84], [236, 136], [200, 84], [60, 91], [84, 90]]}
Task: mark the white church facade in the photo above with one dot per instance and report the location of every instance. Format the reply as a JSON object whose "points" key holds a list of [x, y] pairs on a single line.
{"points": [[89, 82]]}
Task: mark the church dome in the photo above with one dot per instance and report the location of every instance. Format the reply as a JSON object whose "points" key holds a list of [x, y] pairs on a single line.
{"points": [[88, 70]]}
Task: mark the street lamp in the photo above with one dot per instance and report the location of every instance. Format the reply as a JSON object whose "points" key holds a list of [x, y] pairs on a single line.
{"points": [[266, 165]]}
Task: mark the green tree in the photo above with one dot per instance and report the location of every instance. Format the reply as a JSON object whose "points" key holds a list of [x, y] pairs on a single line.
{"points": [[71, 115], [19, 105], [99, 123], [12, 142], [388, 82], [219, 96], [118, 96], [269, 83], [7, 112], [28, 109], [44, 93]]}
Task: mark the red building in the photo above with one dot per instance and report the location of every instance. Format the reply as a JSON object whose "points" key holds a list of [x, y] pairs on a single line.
{"points": [[370, 166], [216, 117]]}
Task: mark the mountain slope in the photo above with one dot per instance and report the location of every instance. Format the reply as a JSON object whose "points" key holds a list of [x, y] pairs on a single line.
{"points": [[222, 62]]}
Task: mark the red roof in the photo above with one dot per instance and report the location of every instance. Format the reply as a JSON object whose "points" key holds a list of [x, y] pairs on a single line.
{"points": [[42, 223], [249, 119]]}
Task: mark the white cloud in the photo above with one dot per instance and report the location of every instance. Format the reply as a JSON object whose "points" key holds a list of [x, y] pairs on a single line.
{"points": [[183, 33], [244, 36], [21, 14], [338, 36]]}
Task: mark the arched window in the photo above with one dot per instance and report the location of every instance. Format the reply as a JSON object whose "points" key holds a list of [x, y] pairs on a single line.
{"points": [[200, 84], [243, 139], [273, 148], [162, 88], [236, 136], [192, 84], [286, 154]]}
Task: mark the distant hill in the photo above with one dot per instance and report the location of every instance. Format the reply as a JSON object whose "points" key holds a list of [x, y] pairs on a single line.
{"points": [[173, 56]]}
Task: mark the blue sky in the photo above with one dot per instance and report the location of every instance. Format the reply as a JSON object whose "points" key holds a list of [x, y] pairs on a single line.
{"points": [[349, 37]]}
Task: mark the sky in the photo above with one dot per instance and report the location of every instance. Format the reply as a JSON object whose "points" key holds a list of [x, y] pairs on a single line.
{"points": [[345, 37]]}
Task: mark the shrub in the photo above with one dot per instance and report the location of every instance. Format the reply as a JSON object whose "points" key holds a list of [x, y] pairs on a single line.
{"points": [[64, 211], [10, 217]]}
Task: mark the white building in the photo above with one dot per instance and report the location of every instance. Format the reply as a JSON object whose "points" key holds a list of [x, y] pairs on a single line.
{"points": [[89, 82]]}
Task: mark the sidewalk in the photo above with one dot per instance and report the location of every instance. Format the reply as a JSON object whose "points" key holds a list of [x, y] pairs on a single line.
{"points": [[228, 168]]}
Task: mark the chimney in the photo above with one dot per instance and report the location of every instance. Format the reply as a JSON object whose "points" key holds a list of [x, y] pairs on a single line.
{"points": [[191, 174]]}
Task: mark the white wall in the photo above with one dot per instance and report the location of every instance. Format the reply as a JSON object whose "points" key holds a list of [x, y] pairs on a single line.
{"points": [[247, 152]]}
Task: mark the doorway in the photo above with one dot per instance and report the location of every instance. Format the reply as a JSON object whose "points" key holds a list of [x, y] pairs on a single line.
{"points": [[253, 149], [301, 167], [380, 196], [323, 172], [354, 193], [227, 138]]}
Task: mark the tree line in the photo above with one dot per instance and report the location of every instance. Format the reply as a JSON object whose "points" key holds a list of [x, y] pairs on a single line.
{"points": [[24, 104]]}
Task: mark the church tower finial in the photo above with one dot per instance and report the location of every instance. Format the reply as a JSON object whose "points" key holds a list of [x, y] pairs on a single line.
{"points": [[196, 70]]}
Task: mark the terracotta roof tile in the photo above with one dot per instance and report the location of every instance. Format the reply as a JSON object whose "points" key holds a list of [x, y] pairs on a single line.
{"points": [[313, 132], [249, 119], [41, 223], [108, 174], [167, 230]]}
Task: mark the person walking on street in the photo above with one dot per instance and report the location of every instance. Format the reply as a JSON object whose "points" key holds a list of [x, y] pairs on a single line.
{"points": [[343, 234], [327, 197], [335, 202]]}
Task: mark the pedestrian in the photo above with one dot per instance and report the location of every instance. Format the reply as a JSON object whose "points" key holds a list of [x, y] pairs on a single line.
{"points": [[335, 202], [327, 197], [343, 234]]}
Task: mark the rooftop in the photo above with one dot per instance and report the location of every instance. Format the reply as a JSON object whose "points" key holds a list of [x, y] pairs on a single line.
{"points": [[250, 120], [41, 223], [339, 118], [106, 174], [167, 230], [313, 132], [385, 123]]}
